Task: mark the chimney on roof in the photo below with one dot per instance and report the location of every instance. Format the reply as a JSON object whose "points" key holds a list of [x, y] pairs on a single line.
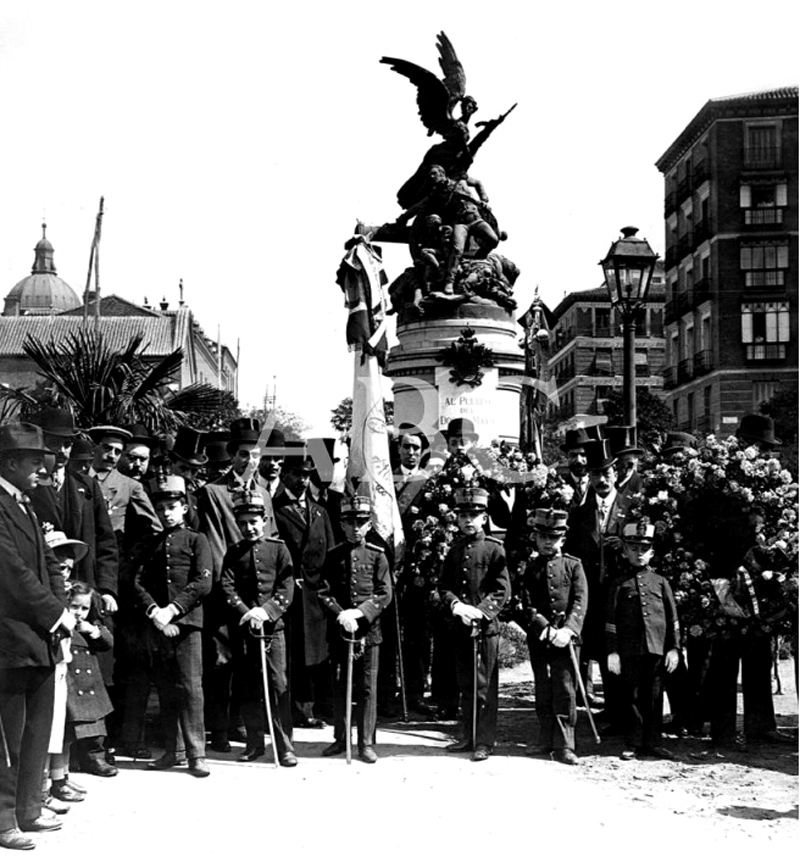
{"points": [[180, 292], [146, 304], [164, 304]]}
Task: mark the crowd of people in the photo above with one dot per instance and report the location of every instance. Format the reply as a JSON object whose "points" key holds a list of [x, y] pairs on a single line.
{"points": [[224, 570]]}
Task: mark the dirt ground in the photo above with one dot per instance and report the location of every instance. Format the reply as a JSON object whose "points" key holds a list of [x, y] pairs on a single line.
{"points": [[420, 800]]}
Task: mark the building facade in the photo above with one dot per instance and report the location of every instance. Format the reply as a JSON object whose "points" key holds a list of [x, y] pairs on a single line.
{"points": [[586, 349], [730, 209]]}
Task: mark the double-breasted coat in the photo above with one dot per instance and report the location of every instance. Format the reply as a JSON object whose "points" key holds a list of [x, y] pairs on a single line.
{"points": [[87, 698]]}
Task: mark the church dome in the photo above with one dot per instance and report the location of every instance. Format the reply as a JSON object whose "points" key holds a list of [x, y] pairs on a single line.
{"points": [[43, 292]]}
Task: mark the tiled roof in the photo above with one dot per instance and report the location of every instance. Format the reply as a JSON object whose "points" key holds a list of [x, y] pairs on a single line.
{"points": [[156, 331]]}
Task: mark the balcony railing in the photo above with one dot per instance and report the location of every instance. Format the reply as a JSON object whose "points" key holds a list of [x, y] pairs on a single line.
{"points": [[700, 173], [670, 202], [670, 258], [702, 290], [773, 351], [675, 308], [685, 370], [603, 332], [684, 188], [763, 216], [765, 157], [702, 231], [703, 362], [670, 377], [685, 245]]}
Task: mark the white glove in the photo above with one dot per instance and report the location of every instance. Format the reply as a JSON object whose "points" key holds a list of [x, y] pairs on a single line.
{"points": [[562, 637], [256, 616], [671, 660], [109, 603], [348, 618], [162, 617], [614, 664], [466, 613]]}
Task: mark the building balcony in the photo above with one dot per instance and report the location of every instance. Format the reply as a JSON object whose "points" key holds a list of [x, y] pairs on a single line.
{"points": [[701, 173], [670, 377], [768, 157], [702, 291], [670, 258], [603, 332], [676, 308], [685, 370], [763, 216], [703, 362], [702, 231], [684, 188], [685, 245], [772, 352], [670, 202]]}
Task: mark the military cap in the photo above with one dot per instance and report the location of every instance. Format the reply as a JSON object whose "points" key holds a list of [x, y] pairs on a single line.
{"points": [[639, 532], [356, 506], [550, 520], [472, 499], [249, 502], [169, 487]]}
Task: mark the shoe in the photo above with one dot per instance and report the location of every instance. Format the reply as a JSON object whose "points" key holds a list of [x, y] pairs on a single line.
{"points": [[41, 824], [628, 754], [447, 714], [13, 839], [537, 749], [140, 753], [75, 786], [464, 745], [56, 806], [311, 722], [288, 759], [167, 761], [237, 735], [198, 767], [252, 752], [367, 755], [775, 737], [336, 748], [98, 767], [481, 753], [220, 744], [64, 791], [566, 756], [656, 752]]}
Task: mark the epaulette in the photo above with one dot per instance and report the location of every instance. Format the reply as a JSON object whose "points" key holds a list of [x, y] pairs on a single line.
{"points": [[274, 540], [570, 556], [492, 538], [376, 548]]}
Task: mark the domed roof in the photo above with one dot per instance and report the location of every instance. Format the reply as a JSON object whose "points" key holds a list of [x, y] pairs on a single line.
{"points": [[43, 291]]}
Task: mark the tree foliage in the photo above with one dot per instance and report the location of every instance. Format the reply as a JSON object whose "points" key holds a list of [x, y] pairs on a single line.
{"points": [[292, 425], [653, 417], [783, 408], [342, 415]]}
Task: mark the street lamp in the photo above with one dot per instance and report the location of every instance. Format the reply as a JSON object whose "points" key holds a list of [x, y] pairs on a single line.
{"points": [[628, 269]]}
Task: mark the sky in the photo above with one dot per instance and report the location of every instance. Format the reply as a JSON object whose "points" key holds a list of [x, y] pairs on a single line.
{"points": [[237, 144]]}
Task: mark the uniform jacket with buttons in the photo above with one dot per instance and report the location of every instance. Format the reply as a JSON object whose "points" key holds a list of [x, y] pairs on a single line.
{"points": [[132, 514], [641, 617], [554, 593], [176, 570], [357, 577], [87, 698], [474, 572], [259, 574]]}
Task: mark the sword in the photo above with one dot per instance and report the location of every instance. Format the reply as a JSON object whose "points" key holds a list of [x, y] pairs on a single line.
{"points": [[264, 642], [400, 667], [579, 680], [476, 630], [348, 707]]}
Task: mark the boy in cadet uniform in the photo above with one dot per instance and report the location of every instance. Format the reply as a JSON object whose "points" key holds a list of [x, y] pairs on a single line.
{"points": [[170, 583], [475, 586], [554, 597], [258, 584], [642, 639], [355, 588]]}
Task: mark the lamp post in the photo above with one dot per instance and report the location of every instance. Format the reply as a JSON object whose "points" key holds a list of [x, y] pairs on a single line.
{"points": [[628, 269]]}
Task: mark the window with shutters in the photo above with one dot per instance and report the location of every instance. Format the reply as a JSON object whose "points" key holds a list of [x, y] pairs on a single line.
{"points": [[765, 330], [762, 146], [763, 204], [764, 263]]}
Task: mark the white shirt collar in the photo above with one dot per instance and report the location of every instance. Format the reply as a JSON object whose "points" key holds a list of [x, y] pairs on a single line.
{"points": [[14, 491]]}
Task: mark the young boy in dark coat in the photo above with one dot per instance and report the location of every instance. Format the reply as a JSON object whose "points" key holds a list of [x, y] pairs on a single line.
{"points": [[171, 582], [258, 584], [554, 599], [642, 639]]}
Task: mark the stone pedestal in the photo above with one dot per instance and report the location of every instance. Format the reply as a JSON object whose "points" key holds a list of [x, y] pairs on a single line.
{"points": [[424, 394]]}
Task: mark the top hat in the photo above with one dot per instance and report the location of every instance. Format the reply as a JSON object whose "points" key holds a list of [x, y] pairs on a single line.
{"points": [[356, 506], [58, 422], [169, 487], [99, 431], [140, 436], [249, 502], [82, 450], [550, 520], [297, 458], [74, 549], [406, 428], [217, 453], [275, 445], [622, 439], [599, 455], [461, 428], [217, 436], [640, 532], [188, 447], [577, 438], [22, 437], [472, 499], [679, 441], [243, 430], [757, 428]]}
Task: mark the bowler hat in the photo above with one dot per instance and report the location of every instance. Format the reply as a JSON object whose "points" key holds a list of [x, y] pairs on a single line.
{"points": [[140, 436], [598, 455], [97, 433], [58, 422], [244, 430], [461, 428], [472, 499], [576, 438], [757, 428], [639, 532], [679, 441], [169, 487], [82, 450], [188, 447], [550, 520], [622, 439], [297, 458], [22, 437], [56, 540], [356, 506]]}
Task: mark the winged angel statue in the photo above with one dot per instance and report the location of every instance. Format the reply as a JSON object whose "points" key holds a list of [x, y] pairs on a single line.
{"points": [[454, 230]]}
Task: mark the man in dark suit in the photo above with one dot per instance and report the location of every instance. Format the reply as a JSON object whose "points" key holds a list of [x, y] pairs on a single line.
{"points": [[305, 527], [31, 609], [595, 537], [627, 453]]}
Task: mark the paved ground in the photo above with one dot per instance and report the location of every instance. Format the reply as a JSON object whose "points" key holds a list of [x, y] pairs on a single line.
{"points": [[420, 800]]}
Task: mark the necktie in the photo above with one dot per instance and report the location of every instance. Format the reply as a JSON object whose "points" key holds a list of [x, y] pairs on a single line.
{"points": [[58, 479]]}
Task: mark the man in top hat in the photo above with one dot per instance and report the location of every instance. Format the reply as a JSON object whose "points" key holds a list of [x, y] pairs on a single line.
{"points": [[218, 523], [574, 447], [475, 586], [678, 446], [269, 468], [135, 459], [322, 451], [624, 448], [554, 600], [595, 530], [758, 430], [187, 455], [305, 527], [219, 461], [355, 588], [32, 600]]}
